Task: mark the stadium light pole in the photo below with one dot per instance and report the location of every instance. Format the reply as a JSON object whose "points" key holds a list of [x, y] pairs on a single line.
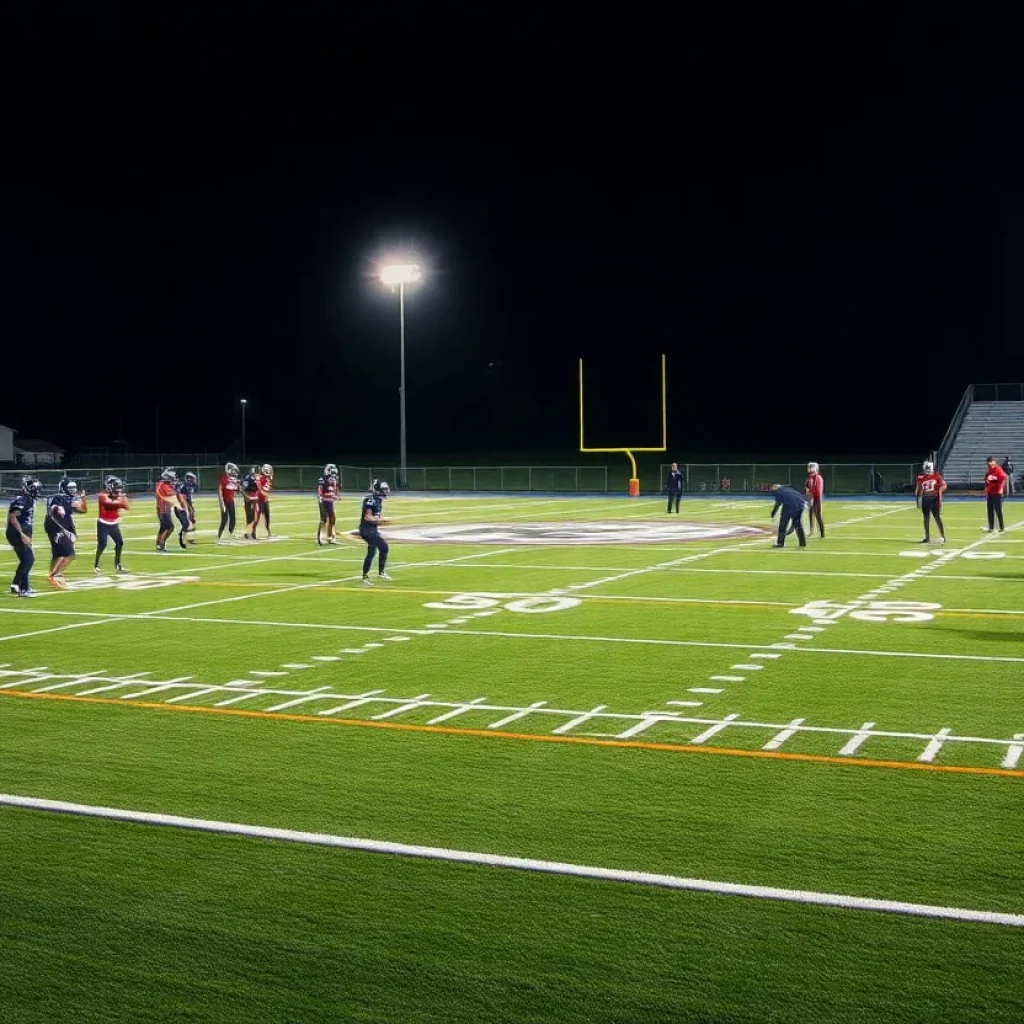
{"points": [[401, 274], [244, 404]]}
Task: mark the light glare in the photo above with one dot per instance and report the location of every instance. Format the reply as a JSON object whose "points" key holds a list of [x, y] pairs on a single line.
{"points": [[403, 273]]}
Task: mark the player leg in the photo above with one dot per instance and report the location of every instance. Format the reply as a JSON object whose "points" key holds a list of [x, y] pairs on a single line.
{"points": [[231, 520], [382, 561], [332, 523], [265, 510], [183, 524], [101, 544], [926, 514], [255, 512], [223, 520], [248, 516], [999, 511], [990, 508], [26, 559], [798, 525], [937, 516], [816, 514], [784, 524], [115, 536], [322, 523], [371, 550], [166, 529]]}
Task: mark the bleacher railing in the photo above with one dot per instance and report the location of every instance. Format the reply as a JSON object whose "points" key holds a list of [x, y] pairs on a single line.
{"points": [[519, 479], [954, 425], [755, 477]]}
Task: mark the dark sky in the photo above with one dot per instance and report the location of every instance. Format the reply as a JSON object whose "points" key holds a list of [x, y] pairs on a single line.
{"points": [[796, 210]]}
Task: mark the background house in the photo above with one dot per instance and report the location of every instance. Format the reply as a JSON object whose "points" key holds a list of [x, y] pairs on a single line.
{"points": [[32, 452]]}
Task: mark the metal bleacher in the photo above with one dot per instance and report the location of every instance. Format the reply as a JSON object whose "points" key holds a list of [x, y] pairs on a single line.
{"points": [[989, 421]]}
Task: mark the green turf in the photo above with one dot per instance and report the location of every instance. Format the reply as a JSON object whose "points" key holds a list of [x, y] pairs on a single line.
{"points": [[107, 921]]}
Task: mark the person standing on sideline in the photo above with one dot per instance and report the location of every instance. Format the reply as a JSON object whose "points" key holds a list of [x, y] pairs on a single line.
{"points": [[792, 503], [108, 523], [369, 519], [227, 487], [929, 491], [814, 489], [1008, 470], [19, 534], [674, 486], [995, 487]]}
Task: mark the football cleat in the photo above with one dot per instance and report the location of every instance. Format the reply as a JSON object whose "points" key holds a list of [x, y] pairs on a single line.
{"points": [[96, 569], [14, 589], [383, 576], [368, 581]]}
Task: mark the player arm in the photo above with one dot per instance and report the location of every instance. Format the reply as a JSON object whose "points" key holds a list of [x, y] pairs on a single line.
{"points": [[777, 506], [13, 521]]}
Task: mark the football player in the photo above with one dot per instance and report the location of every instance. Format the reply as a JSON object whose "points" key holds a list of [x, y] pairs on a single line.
{"points": [[369, 521], [186, 513], [108, 523], [166, 498], [19, 534], [60, 529], [227, 487], [250, 497], [327, 493], [264, 481], [929, 491], [814, 490]]}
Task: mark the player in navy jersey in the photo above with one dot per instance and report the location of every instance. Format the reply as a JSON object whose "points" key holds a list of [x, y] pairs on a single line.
{"points": [[327, 492], [19, 534], [60, 529], [369, 520], [186, 512]]}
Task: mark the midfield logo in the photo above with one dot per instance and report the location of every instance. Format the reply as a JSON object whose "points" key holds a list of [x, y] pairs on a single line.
{"points": [[603, 532]]}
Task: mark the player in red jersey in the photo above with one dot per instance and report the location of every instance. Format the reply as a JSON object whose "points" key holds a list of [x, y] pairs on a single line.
{"points": [[264, 483], [167, 497], [227, 487], [995, 488], [929, 491], [814, 489], [327, 494], [108, 524]]}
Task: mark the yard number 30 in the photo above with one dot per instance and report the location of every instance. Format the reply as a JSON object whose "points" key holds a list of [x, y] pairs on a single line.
{"points": [[524, 604]]}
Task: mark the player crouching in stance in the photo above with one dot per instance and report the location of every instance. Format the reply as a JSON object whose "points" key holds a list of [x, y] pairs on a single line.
{"points": [[227, 487], [19, 534], [186, 511], [108, 524], [60, 529], [327, 493], [369, 520], [929, 491], [792, 503]]}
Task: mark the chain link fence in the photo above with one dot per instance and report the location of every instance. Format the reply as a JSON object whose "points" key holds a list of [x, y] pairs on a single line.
{"points": [[753, 477]]}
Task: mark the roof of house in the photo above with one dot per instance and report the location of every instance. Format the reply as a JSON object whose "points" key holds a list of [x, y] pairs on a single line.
{"points": [[37, 446]]}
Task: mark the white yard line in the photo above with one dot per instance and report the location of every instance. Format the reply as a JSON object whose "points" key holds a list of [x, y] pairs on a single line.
{"points": [[492, 860]]}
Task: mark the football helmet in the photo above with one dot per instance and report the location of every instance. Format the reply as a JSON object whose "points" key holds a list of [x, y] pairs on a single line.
{"points": [[31, 486], [928, 466], [169, 475], [330, 469], [191, 478], [62, 485], [231, 469], [381, 488], [267, 470], [812, 467], [114, 485], [70, 487]]}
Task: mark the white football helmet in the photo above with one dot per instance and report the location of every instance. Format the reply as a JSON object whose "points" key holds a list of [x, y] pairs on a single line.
{"points": [[928, 467], [267, 470], [812, 467]]}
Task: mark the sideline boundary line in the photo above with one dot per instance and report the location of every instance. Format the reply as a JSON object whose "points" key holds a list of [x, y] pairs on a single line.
{"points": [[825, 899], [589, 741]]}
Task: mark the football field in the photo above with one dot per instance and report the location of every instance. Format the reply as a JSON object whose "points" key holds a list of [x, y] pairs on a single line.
{"points": [[578, 761]]}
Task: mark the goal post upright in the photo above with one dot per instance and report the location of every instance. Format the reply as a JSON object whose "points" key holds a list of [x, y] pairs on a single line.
{"points": [[634, 480]]}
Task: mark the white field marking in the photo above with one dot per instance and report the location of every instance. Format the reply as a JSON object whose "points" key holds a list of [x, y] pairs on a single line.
{"points": [[436, 625], [815, 629], [295, 664], [235, 700], [1013, 753], [798, 636], [779, 738], [192, 696], [853, 746], [934, 745], [696, 689], [519, 714], [457, 711], [354, 650], [316, 694], [748, 668], [646, 721], [325, 657], [265, 675], [727, 679], [57, 629], [1003, 659], [409, 705], [397, 639], [579, 719], [715, 729], [155, 688], [820, 622], [517, 863], [766, 657]]}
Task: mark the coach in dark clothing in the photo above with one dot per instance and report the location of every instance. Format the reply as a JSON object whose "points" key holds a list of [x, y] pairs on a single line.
{"points": [[674, 486], [1008, 470], [792, 503]]}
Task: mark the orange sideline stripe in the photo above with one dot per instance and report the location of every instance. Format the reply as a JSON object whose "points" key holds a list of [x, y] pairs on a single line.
{"points": [[678, 748]]}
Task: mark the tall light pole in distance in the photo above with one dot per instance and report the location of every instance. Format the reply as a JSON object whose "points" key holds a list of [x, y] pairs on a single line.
{"points": [[244, 404], [401, 275]]}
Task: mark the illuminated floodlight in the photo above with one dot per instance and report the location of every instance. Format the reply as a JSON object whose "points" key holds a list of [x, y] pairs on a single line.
{"points": [[400, 273]]}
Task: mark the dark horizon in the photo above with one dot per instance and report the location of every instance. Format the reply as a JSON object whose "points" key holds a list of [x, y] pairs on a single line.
{"points": [[827, 241]]}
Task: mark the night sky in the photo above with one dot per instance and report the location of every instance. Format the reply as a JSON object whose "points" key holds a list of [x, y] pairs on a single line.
{"points": [[821, 222]]}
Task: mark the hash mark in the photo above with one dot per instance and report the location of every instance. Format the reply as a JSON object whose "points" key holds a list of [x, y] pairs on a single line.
{"points": [[715, 729], [1012, 758], [854, 744], [517, 715], [776, 741]]}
